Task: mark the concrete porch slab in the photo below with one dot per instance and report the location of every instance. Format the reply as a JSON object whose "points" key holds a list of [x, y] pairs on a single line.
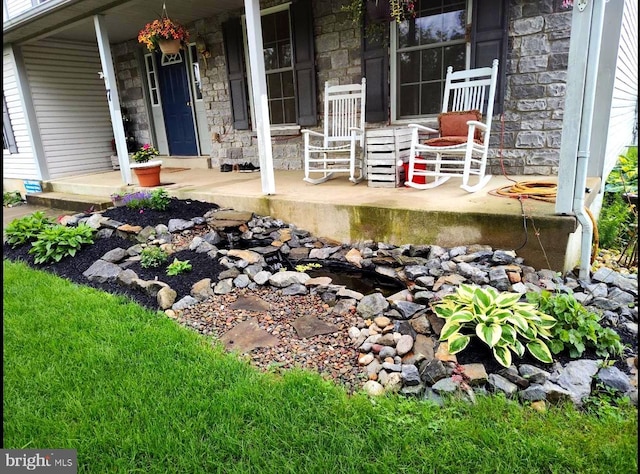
{"points": [[447, 215]]}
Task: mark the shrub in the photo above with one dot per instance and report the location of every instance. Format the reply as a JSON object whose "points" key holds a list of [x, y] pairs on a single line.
{"points": [[11, 198], [152, 257], [500, 320], [59, 241], [25, 229], [178, 266], [577, 328], [615, 221]]}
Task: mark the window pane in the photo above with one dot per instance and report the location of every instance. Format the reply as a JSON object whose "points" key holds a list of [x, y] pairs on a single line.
{"points": [[287, 84], [432, 64], [270, 58], [409, 100], [154, 97], [454, 56], [274, 86], [275, 109], [409, 67], [289, 110], [431, 98], [284, 55], [281, 23]]}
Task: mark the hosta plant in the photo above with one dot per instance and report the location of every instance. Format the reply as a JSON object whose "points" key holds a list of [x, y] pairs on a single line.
{"points": [[178, 266], [26, 229], [57, 242], [500, 320]]}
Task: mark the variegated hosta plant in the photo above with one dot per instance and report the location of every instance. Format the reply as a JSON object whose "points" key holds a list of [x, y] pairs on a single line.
{"points": [[500, 320]]}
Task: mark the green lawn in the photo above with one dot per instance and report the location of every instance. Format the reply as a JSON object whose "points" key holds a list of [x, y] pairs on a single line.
{"points": [[133, 391]]}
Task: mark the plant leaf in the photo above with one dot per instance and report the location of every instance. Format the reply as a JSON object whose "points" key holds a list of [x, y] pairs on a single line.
{"points": [[540, 351], [502, 355], [490, 334], [458, 342], [449, 329]]}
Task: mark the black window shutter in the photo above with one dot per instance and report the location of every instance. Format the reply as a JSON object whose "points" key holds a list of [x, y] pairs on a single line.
{"points": [[375, 60], [234, 52], [304, 62], [489, 37]]}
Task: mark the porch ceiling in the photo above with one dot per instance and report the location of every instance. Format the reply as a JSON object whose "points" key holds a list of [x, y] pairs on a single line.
{"points": [[72, 19]]}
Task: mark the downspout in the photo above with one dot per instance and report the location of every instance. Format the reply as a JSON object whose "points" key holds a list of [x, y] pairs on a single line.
{"points": [[595, 42]]}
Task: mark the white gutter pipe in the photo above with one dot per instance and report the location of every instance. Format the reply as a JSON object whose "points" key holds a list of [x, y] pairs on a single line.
{"points": [[594, 45]]}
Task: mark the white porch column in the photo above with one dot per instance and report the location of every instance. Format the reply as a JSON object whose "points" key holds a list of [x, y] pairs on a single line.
{"points": [[259, 92], [113, 98]]}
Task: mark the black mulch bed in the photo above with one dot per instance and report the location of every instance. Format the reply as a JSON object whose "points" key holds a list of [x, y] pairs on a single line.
{"points": [[72, 268]]}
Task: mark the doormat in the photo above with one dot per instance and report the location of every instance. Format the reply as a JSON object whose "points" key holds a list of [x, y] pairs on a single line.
{"points": [[167, 169]]}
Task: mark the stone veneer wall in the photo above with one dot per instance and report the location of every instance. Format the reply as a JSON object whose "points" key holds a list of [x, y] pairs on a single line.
{"points": [[130, 79], [526, 137]]}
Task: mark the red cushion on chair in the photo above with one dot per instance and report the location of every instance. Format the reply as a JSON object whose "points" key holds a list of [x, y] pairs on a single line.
{"points": [[448, 141], [454, 124]]}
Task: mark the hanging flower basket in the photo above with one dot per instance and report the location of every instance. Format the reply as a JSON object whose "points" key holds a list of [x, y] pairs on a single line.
{"points": [[164, 34], [169, 46]]}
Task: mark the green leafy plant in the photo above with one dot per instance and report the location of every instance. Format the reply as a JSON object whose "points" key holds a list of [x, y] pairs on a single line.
{"points": [[56, 242], [615, 220], [499, 320], [160, 200], [624, 175], [26, 229], [152, 257], [577, 328], [308, 266], [145, 153], [178, 266], [11, 198]]}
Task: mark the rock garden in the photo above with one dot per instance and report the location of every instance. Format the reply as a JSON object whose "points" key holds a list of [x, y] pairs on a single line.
{"points": [[419, 320]]}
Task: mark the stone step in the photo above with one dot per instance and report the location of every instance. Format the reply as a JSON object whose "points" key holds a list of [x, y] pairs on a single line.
{"points": [[71, 202]]}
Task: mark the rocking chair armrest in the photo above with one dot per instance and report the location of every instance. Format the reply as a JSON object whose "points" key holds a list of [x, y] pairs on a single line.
{"points": [[422, 127], [312, 132], [356, 130], [480, 125]]}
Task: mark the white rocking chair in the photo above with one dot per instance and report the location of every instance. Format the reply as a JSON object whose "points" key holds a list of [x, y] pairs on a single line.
{"points": [[342, 144], [465, 153]]}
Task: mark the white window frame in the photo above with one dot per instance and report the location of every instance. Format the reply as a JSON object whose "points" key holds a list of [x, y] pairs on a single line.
{"points": [[155, 75], [281, 127], [393, 73]]}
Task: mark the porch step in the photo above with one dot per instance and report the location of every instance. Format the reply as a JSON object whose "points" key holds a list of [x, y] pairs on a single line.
{"points": [[198, 162], [70, 202]]}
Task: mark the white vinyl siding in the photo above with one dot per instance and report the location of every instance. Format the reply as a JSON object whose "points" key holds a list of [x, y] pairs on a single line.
{"points": [[15, 7], [20, 165], [71, 107], [624, 113]]}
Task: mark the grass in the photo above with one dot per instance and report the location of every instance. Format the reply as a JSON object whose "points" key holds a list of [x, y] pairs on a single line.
{"points": [[133, 391]]}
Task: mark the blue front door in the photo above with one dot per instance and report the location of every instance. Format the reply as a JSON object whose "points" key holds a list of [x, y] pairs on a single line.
{"points": [[177, 109]]}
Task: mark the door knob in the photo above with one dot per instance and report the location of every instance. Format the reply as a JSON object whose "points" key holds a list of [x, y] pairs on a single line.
{"points": [[188, 104]]}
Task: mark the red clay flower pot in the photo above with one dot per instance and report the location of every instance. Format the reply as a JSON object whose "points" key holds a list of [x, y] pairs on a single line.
{"points": [[148, 176]]}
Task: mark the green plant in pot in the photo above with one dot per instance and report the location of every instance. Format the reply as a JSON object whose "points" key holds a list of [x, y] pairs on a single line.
{"points": [[500, 320], [146, 169]]}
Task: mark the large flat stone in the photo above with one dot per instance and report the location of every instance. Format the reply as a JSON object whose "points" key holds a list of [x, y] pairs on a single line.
{"points": [[309, 326], [247, 336], [250, 303]]}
